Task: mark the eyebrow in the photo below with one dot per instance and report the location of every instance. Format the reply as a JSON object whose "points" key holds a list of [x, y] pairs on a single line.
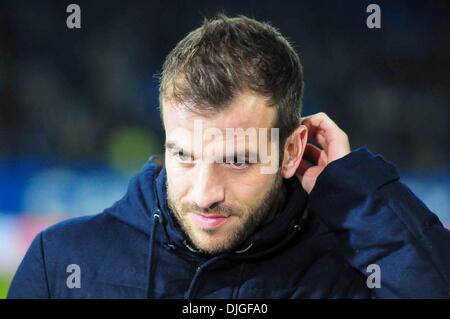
{"points": [[173, 146], [247, 154]]}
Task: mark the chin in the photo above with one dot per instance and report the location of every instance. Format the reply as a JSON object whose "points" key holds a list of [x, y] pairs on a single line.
{"points": [[213, 246]]}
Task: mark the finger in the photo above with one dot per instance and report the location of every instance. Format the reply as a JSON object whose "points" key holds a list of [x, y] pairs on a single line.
{"points": [[320, 139], [327, 134], [303, 167], [309, 178], [315, 155], [312, 153], [321, 123], [320, 120]]}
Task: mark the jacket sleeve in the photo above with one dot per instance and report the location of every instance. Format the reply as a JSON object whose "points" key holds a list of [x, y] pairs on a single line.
{"points": [[30, 280], [378, 220]]}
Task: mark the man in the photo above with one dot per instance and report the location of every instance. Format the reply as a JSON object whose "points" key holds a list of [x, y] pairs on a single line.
{"points": [[218, 219]]}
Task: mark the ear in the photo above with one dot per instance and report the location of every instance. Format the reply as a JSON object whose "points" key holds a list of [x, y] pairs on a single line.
{"points": [[293, 151]]}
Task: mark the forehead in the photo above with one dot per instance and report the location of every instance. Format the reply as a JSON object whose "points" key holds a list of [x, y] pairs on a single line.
{"points": [[247, 110]]}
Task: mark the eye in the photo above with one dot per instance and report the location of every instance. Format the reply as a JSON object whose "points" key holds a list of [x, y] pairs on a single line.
{"points": [[239, 164], [182, 157]]}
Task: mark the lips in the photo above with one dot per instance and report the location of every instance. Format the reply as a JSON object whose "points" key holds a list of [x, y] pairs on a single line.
{"points": [[210, 221]]}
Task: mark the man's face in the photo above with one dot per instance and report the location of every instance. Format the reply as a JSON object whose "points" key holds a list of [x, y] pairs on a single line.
{"points": [[217, 201]]}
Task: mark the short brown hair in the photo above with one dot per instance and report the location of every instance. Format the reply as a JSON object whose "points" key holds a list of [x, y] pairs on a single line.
{"points": [[227, 55]]}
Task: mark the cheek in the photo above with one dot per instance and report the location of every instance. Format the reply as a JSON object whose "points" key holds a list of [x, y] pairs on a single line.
{"points": [[177, 182], [178, 188], [251, 190]]}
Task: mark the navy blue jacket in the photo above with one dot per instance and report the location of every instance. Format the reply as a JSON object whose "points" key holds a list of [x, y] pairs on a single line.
{"points": [[317, 246]]}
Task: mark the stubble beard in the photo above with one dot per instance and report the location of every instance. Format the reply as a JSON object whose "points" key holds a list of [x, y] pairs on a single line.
{"points": [[251, 219]]}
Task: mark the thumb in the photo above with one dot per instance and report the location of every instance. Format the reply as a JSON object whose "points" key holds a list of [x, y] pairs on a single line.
{"points": [[309, 177]]}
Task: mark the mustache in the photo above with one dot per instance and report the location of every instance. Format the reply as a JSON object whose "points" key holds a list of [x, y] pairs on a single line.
{"points": [[221, 210]]}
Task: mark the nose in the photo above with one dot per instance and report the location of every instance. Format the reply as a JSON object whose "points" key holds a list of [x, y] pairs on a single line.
{"points": [[207, 190]]}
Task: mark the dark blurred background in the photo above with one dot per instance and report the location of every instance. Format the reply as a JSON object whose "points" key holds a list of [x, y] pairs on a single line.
{"points": [[78, 107]]}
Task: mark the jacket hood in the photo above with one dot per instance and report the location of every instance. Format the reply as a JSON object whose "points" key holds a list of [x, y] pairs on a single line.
{"points": [[146, 197], [140, 203]]}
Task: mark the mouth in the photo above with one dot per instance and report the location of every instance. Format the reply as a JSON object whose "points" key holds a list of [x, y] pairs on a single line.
{"points": [[210, 221]]}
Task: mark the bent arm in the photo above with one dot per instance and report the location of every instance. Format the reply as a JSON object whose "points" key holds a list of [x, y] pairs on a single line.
{"points": [[378, 220]]}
